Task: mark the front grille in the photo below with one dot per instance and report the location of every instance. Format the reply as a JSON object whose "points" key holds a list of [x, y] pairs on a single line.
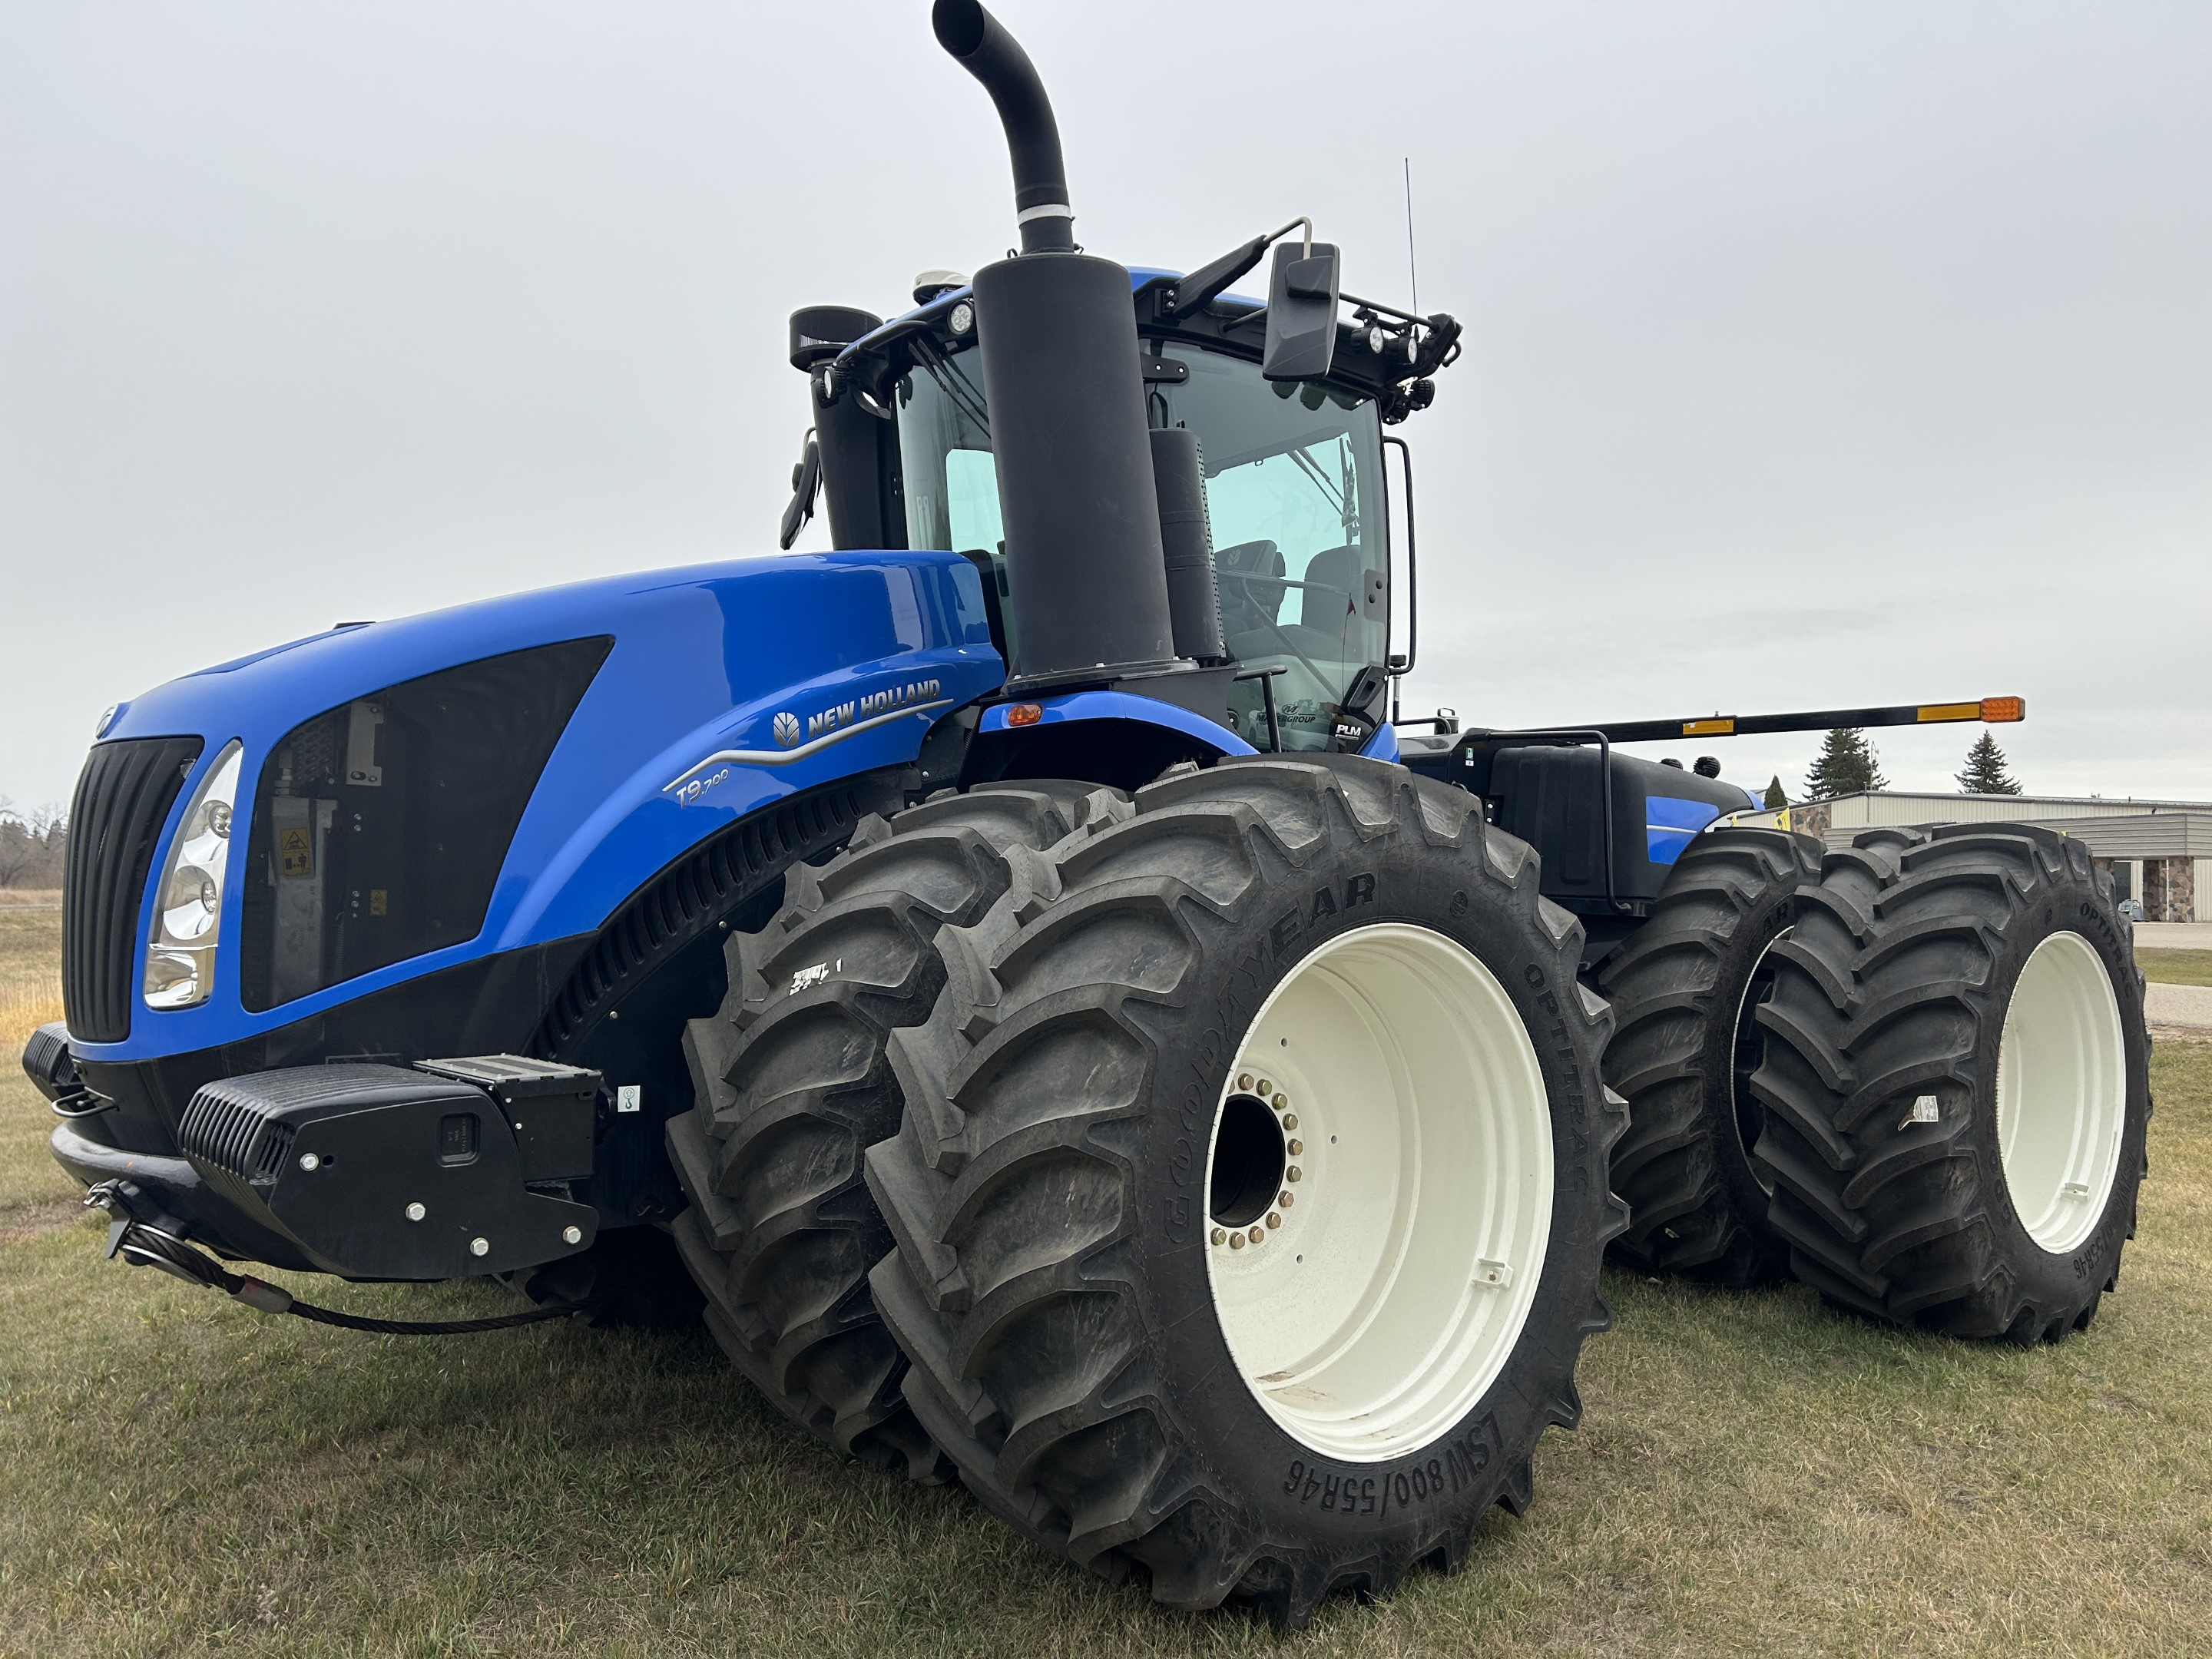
{"points": [[123, 799]]}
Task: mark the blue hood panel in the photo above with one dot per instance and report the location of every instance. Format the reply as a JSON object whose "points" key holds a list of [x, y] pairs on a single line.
{"points": [[728, 687]]}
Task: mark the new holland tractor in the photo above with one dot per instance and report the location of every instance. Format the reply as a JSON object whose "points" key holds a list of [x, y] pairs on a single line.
{"points": [[1014, 962]]}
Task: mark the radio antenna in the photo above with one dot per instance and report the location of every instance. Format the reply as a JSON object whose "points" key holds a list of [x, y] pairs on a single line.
{"points": [[1413, 272]]}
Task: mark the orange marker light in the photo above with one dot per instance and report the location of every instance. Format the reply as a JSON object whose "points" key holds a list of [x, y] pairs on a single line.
{"points": [[2000, 710], [1025, 714]]}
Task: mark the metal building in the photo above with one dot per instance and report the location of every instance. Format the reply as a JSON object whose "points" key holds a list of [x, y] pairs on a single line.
{"points": [[2159, 851]]}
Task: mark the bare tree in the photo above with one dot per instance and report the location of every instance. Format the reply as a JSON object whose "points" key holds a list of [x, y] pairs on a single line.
{"points": [[31, 845]]}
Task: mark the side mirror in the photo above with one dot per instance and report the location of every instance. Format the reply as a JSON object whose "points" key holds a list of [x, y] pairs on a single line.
{"points": [[1302, 291], [805, 484], [1366, 691]]}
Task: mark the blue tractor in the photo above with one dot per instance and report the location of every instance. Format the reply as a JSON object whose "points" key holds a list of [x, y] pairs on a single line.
{"points": [[1018, 976]]}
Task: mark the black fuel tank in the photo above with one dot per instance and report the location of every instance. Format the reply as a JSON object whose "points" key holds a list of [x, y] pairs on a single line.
{"points": [[1607, 826]]}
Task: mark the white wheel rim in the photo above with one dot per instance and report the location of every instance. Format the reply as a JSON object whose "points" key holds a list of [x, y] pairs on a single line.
{"points": [[2062, 1092], [1376, 1308], [1738, 1089]]}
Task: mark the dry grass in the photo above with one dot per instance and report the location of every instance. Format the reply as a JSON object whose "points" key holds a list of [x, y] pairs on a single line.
{"points": [[30, 970], [30, 995], [1755, 1476], [2176, 967], [23, 1009]]}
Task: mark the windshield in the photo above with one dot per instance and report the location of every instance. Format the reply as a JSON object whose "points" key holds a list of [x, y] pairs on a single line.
{"points": [[1293, 489]]}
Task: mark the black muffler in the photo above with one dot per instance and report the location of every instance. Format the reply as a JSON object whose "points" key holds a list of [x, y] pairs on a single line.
{"points": [[1085, 566]]}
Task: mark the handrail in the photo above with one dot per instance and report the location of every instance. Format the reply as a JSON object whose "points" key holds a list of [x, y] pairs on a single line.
{"points": [[1412, 568]]}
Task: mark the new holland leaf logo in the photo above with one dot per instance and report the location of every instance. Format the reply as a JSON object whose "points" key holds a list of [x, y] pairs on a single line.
{"points": [[798, 739]]}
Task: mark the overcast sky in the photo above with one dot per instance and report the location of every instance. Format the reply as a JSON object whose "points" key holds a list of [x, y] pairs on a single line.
{"points": [[1817, 354]]}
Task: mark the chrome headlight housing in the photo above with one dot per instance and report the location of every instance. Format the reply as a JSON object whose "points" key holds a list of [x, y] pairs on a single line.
{"points": [[188, 900]]}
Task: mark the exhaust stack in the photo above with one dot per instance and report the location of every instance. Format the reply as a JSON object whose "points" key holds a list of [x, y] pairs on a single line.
{"points": [[982, 47], [1085, 571]]}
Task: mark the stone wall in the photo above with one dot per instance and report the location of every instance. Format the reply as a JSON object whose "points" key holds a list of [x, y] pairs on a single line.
{"points": [[1811, 817], [2169, 889]]}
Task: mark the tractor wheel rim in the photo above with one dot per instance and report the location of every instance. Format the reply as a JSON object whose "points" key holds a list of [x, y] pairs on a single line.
{"points": [[2062, 1092], [1371, 1293], [1747, 1055]]}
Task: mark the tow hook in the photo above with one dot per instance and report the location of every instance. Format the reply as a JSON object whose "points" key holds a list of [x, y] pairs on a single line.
{"points": [[158, 1241]]}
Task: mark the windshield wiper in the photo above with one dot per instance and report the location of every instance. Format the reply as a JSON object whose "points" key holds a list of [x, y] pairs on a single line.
{"points": [[952, 383], [1312, 467]]}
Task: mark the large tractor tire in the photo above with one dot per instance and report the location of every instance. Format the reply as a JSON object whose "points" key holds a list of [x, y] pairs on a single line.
{"points": [[1955, 1081], [792, 1086], [1686, 990], [1251, 1193]]}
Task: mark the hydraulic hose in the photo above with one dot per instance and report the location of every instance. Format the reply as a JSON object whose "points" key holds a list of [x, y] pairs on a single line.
{"points": [[142, 1246]]}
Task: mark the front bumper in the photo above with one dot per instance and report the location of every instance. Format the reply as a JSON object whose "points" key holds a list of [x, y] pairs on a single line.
{"points": [[160, 1186], [443, 1169]]}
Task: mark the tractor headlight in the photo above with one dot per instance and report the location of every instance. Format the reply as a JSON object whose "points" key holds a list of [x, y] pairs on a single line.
{"points": [[188, 903]]}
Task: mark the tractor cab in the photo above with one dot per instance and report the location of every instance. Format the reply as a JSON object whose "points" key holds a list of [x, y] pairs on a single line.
{"points": [[1296, 512]]}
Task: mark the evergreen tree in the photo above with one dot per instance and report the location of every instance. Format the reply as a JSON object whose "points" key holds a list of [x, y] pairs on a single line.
{"points": [[1845, 765], [1776, 796], [1985, 773]]}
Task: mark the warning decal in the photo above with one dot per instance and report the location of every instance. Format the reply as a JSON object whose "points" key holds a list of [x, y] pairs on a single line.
{"points": [[296, 852]]}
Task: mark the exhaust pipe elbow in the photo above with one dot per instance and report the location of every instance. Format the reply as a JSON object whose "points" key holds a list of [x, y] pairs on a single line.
{"points": [[981, 44]]}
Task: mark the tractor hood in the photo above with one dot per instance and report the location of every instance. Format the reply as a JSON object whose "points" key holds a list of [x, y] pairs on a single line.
{"points": [[692, 697]]}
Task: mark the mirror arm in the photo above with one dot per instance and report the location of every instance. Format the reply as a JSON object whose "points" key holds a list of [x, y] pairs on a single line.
{"points": [[1206, 284]]}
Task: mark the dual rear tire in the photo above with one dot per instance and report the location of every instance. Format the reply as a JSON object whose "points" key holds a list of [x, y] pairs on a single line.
{"points": [[1956, 1082], [1912, 1073], [1686, 990], [1237, 1156], [1215, 1182], [1250, 1195], [792, 1083]]}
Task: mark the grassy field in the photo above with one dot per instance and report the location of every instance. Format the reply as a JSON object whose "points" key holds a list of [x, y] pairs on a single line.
{"points": [[2177, 967], [1754, 1475]]}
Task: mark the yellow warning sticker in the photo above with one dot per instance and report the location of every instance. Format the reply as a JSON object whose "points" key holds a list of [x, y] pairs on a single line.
{"points": [[296, 852], [378, 902]]}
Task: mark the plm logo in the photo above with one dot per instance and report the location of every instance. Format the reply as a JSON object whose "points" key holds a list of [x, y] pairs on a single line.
{"points": [[786, 726]]}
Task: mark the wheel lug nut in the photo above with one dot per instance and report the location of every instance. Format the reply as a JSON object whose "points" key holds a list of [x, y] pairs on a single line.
{"points": [[1274, 1220], [1293, 1174], [1236, 1241], [1221, 1235], [1282, 1102], [1244, 1082], [1297, 1147], [1265, 1087], [1290, 1120], [1287, 1198], [1259, 1235]]}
